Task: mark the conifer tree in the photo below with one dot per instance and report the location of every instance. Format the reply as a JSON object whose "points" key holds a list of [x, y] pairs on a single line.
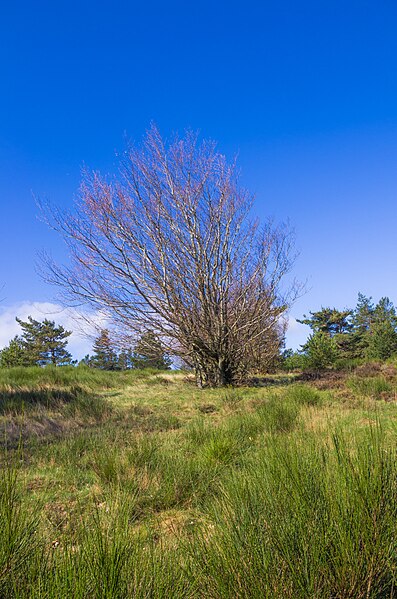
{"points": [[321, 350], [125, 359], [13, 354], [335, 324], [362, 319], [382, 335], [329, 320], [149, 353], [86, 361], [104, 356], [45, 342], [54, 341]]}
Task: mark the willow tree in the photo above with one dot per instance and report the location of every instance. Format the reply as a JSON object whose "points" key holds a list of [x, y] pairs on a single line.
{"points": [[168, 246]]}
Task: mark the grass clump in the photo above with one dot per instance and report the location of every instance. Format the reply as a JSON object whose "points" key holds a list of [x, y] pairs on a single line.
{"points": [[371, 387], [19, 544], [279, 414], [231, 397], [303, 395]]}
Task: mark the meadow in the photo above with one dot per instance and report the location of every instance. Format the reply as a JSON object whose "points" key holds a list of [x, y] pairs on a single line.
{"points": [[138, 484]]}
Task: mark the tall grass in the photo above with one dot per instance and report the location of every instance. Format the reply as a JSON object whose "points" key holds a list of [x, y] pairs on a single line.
{"points": [[305, 520], [298, 519], [19, 547], [371, 387], [65, 376], [241, 502], [303, 395]]}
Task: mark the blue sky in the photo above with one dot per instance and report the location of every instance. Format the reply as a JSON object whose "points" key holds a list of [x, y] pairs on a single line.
{"points": [[304, 92]]}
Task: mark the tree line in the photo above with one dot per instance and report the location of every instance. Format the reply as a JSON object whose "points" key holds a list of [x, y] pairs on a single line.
{"points": [[339, 337], [366, 332], [45, 343]]}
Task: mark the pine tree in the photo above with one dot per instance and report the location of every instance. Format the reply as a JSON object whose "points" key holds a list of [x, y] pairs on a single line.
{"points": [[329, 320], [86, 361], [13, 354], [321, 350], [362, 319], [30, 340], [382, 335], [54, 341], [336, 324], [44, 342], [125, 359], [149, 353], [104, 356], [363, 314]]}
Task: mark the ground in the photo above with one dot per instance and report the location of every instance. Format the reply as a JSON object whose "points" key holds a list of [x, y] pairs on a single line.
{"points": [[138, 484]]}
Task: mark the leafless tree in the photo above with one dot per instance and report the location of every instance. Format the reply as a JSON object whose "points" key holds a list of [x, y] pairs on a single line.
{"points": [[168, 246]]}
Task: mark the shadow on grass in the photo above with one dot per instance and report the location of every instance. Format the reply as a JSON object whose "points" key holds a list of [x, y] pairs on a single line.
{"points": [[268, 381], [20, 401], [48, 412]]}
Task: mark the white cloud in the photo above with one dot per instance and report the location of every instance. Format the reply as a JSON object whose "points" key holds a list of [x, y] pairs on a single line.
{"points": [[84, 326], [296, 334]]}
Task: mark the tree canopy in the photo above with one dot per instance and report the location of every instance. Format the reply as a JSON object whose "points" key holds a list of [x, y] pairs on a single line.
{"points": [[40, 344], [104, 356], [169, 247], [150, 353], [368, 331]]}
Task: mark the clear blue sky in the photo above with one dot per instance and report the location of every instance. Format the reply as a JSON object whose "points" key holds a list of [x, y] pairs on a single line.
{"points": [[305, 92]]}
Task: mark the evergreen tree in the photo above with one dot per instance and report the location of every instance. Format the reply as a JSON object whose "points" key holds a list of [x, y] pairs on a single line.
{"points": [[44, 342], [292, 360], [362, 319], [382, 335], [125, 359], [30, 340], [14, 354], [363, 314], [54, 342], [149, 353], [329, 320], [104, 356], [321, 350], [86, 361], [335, 324]]}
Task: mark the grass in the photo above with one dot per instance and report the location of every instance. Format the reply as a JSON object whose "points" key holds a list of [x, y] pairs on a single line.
{"points": [[153, 488], [376, 387]]}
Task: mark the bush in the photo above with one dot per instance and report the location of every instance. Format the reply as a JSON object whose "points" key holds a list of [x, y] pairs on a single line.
{"points": [[368, 369], [291, 361]]}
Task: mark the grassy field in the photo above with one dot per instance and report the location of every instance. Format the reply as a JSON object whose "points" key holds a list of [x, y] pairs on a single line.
{"points": [[137, 484]]}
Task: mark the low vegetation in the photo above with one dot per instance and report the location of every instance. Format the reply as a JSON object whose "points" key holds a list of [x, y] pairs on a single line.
{"points": [[145, 486]]}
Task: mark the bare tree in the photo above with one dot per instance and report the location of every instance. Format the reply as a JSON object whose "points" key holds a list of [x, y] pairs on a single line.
{"points": [[168, 246]]}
